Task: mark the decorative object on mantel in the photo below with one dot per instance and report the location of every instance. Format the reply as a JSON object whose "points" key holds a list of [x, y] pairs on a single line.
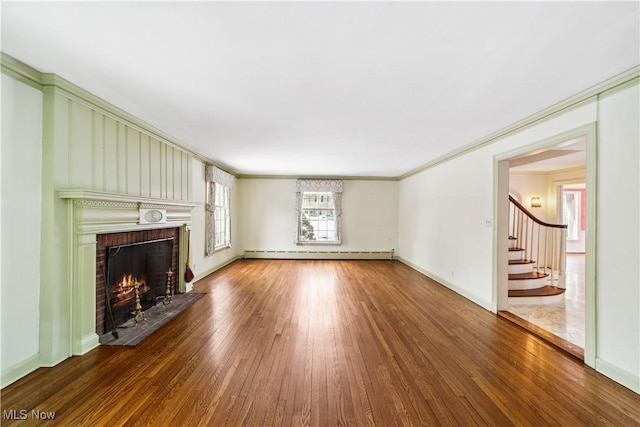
{"points": [[151, 216], [188, 274]]}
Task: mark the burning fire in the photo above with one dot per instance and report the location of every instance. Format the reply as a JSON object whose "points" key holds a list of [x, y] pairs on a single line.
{"points": [[125, 288]]}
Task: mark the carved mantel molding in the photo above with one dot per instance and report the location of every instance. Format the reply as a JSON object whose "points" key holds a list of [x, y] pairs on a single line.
{"points": [[98, 212]]}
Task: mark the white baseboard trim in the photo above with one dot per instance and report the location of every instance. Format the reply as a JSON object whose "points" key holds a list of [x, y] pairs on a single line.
{"points": [[319, 254], [627, 379], [487, 305], [85, 345], [207, 272], [19, 370]]}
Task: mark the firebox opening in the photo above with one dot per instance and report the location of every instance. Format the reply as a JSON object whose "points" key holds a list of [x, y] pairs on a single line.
{"points": [[147, 263]]}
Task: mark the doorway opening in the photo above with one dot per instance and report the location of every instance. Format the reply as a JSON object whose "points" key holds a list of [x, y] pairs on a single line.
{"points": [[555, 180]]}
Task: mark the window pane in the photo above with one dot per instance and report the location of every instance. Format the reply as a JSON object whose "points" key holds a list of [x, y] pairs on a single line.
{"points": [[221, 215], [318, 221]]}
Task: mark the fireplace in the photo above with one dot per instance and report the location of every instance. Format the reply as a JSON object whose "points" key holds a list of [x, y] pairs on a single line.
{"points": [[145, 264], [99, 220], [124, 258]]}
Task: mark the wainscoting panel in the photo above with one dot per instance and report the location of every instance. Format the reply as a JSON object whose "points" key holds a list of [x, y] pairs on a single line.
{"points": [[100, 151]]}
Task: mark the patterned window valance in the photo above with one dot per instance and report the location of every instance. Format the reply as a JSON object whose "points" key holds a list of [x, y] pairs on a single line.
{"points": [[214, 174], [332, 185]]}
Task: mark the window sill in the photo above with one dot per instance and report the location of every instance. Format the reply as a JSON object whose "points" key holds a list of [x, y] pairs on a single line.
{"points": [[220, 249], [336, 243]]}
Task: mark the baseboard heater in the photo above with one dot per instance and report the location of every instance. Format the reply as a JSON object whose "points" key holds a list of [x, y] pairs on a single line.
{"points": [[372, 255]]}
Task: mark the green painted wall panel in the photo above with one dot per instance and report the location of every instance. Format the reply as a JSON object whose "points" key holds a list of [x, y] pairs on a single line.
{"points": [[98, 152], [60, 113], [133, 162], [145, 160], [110, 159], [178, 175], [186, 174], [95, 150], [169, 174], [121, 164], [163, 171], [80, 146], [155, 168]]}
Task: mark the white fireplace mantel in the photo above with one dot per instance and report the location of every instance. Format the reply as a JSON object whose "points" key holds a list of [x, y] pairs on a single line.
{"points": [[93, 213], [98, 212]]}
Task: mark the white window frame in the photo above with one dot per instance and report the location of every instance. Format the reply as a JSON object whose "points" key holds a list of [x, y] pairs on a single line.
{"points": [[316, 187], [222, 217], [218, 209]]}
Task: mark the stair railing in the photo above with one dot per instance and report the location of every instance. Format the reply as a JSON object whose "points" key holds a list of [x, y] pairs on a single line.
{"points": [[542, 242]]}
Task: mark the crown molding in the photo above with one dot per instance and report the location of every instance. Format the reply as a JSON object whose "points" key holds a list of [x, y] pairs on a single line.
{"points": [[20, 71], [52, 83], [621, 81], [344, 178]]}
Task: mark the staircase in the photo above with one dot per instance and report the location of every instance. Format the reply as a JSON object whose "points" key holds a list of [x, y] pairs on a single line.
{"points": [[537, 258]]}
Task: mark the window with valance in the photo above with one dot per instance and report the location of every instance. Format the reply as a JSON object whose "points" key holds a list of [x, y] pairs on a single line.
{"points": [[319, 211], [218, 209]]}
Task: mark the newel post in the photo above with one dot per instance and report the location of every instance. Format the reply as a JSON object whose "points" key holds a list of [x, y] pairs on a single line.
{"points": [[562, 267]]}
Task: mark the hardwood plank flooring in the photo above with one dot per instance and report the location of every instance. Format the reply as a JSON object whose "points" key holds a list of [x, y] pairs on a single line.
{"points": [[326, 343]]}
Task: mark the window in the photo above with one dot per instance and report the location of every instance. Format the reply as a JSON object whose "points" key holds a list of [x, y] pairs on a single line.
{"points": [[218, 209], [571, 205], [319, 211], [221, 217]]}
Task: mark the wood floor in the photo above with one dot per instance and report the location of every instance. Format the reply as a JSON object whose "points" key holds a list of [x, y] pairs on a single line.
{"points": [[326, 343]]}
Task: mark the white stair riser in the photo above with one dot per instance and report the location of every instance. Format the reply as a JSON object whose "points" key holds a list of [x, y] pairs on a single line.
{"points": [[520, 268], [513, 243], [516, 254], [519, 285]]}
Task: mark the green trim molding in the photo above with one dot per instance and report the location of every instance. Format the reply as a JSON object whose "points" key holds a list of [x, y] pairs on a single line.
{"points": [[20, 71], [621, 81], [52, 83]]}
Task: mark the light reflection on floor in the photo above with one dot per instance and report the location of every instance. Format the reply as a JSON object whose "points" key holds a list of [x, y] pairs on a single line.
{"points": [[564, 319]]}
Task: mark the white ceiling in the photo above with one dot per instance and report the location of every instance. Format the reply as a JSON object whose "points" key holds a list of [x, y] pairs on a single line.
{"points": [[566, 155], [326, 89]]}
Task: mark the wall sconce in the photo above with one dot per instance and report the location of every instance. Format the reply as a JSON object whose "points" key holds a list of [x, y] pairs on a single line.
{"points": [[536, 202]]}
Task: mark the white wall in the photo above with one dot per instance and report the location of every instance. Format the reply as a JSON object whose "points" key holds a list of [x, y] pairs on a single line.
{"points": [[529, 185], [442, 224], [21, 217], [444, 210], [201, 264], [268, 218], [618, 238], [442, 232]]}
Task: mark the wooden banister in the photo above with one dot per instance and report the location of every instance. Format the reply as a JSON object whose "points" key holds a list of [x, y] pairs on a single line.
{"points": [[532, 216], [539, 241]]}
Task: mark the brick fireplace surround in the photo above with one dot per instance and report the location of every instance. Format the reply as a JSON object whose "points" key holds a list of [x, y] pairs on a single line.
{"points": [[95, 215], [114, 239]]}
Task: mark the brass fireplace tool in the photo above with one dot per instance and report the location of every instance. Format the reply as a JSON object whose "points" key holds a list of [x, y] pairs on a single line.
{"points": [[139, 313], [167, 291]]}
